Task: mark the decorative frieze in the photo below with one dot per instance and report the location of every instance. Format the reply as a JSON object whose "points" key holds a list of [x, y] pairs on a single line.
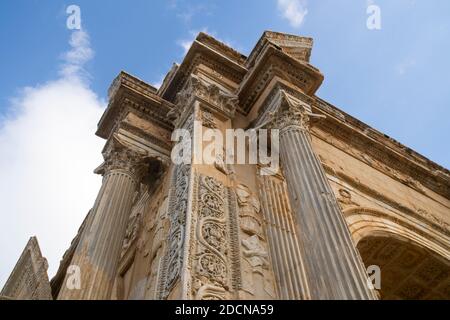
{"points": [[177, 216], [211, 263]]}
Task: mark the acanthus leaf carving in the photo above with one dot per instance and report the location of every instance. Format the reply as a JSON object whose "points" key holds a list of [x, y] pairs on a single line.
{"points": [[121, 156]]}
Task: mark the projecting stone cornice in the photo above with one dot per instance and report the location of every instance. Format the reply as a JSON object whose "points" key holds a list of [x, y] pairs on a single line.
{"points": [[222, 48], [129, 93], [375, 148], [380, 151], [272, 63], [225, 66], [297, 47]]}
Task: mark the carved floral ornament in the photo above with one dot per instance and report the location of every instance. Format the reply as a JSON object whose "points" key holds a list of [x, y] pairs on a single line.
{"points": [[212, 271], [196, 88], [120, 156], [290, 113]]}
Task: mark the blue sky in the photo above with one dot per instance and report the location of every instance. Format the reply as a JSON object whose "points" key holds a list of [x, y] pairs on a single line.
{"points": [[395, 79]]}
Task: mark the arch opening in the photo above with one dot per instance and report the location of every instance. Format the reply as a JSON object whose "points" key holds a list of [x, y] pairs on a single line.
{"points": [[408, 270]]}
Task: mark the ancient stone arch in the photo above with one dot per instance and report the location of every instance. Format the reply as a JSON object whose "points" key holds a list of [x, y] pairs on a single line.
{"points": [[364, 222], [414, 259]]}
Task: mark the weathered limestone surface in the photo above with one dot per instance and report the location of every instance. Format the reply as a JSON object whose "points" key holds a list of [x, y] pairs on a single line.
{"points": [[99, 251], [28, 280], [345, 197], [332, 266]]}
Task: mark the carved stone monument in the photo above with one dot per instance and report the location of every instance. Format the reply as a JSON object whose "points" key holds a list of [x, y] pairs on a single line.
{"points": [[345, 196]]}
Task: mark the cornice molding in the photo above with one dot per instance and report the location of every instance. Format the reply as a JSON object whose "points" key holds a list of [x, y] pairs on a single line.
{"points": [[222, 48], [199, 53], [272, 63], [130, 92], [297, 47], [379, 151]]}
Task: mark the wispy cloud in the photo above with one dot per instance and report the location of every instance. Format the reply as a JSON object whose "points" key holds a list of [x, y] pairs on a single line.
{"points": [[186, 43], [186, 11], [75, 59], [403, 67], [293, 10], [48, 151]]}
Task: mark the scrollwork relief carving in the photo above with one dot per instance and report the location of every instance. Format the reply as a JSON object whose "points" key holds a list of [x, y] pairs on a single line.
{"points": [[211, 263]]}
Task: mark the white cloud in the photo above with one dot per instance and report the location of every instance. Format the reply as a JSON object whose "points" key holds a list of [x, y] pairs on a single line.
{"points": [[75, 58], [187, 10], [48, 152], [293, 10], [187, 42]]}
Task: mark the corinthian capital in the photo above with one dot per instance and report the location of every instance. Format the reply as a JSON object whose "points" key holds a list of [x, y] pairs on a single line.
{"points": [[291, 112], [121, 157]]}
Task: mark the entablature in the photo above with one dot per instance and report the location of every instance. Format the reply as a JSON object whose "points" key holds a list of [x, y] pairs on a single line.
{"points": [[382, 152], [128, 93], [212, 58], [273, 63]]}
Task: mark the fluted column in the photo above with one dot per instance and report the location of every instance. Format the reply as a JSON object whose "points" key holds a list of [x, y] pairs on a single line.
{"points": [[98, 252], [333, 267]]}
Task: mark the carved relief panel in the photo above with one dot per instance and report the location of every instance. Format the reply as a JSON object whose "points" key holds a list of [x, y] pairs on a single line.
{"points": [[210, 252], [257, 276], [157, 228]]}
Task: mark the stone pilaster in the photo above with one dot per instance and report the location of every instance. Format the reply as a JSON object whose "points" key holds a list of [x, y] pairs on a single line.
{"points": [[98, 253], [333, 267]]}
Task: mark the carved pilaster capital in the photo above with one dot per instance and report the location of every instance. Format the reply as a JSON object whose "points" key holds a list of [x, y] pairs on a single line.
{"points": [[290, 113], [213, 97], [121, 157]]}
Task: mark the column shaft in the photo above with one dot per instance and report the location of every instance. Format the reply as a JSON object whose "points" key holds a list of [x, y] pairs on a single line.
{"points": [[333, 267], [97, 255]]}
